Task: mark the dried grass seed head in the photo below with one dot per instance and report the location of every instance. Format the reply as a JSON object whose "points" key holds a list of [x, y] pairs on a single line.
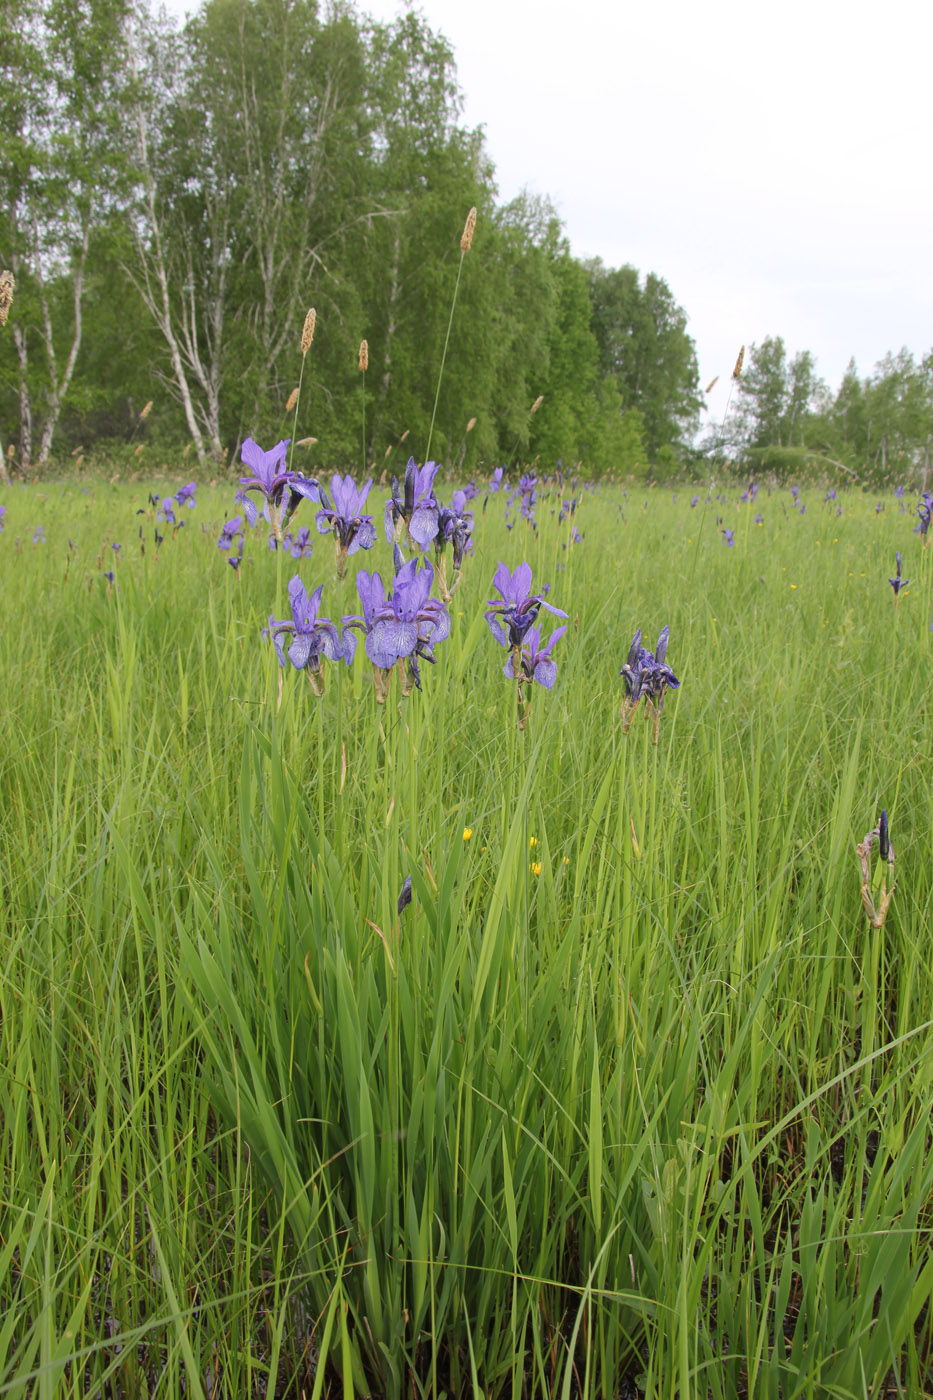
{"points": [[291, 401], [469, 228], [737, 372], [307, 331], [7, 287], [364, 356]]}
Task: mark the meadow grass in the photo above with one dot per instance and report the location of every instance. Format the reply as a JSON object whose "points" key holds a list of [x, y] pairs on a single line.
{"points": [[630, 1095]]}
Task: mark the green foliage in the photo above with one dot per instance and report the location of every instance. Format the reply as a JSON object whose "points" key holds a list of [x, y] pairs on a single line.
{"points": [[878, 429], [643, 342], [646, 1101]]}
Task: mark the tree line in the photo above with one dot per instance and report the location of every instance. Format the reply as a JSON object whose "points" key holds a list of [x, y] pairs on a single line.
{"points": [[874, 429], [173, 200]]}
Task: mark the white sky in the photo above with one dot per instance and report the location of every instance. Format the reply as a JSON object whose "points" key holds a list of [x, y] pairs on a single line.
{"points": [[773, 161]]}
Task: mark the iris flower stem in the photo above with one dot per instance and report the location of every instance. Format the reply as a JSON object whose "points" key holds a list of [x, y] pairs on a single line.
{"points": [[338, 761], [440, 376], [319, 726]]}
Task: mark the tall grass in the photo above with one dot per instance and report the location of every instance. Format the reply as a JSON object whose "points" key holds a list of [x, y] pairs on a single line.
{"points": [[657, 1112]]}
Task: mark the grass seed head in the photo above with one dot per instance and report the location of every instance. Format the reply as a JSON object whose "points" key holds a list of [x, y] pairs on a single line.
{"points": [[292, 400], [737, 372], [307, 331], [364, 356], [469, 228], [145, 411], [7, 287]]}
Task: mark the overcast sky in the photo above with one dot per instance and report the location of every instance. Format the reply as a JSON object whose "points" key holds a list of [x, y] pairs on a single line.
{"points": [[772, 162]]}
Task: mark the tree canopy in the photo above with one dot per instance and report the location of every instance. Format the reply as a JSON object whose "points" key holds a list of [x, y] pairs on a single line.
{"points": [[174, 199]]}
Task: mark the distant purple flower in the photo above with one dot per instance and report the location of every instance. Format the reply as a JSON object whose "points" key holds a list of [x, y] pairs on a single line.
{"points": [[228, 533], [282, 489], [646, 674], [535, 659], [496, 482], [352, 529], [750, 492], [694, 502], [114, 546], [925, 512], [758, 519], [2, 516], [184, 496], [300, 545], [728, 537], [313, 637], [470, 491], [39, 536], [108, 575], [404, 898], [519, 608], [898, 492], [898, 583], [830, 495], [416, 508], [235, 560], [166, 511], [879, 508]]}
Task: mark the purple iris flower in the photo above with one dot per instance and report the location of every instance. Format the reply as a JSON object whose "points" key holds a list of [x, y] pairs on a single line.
{"points": [[228, 533], [646, 674], [416, 507], [166, 511], [535, 659], [281, 488], [2, 515], [728, 537], [39, 536], [496, 482], [925, 512], [184, 496], [879, 508], [300, 545], [695, 502], [313, 637], [404, 625], [108, 575], [898, 583], [830, 495], [352, 529], [236, 560], [519, 608], [898, 492], [454, 527], [404, 898]]}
